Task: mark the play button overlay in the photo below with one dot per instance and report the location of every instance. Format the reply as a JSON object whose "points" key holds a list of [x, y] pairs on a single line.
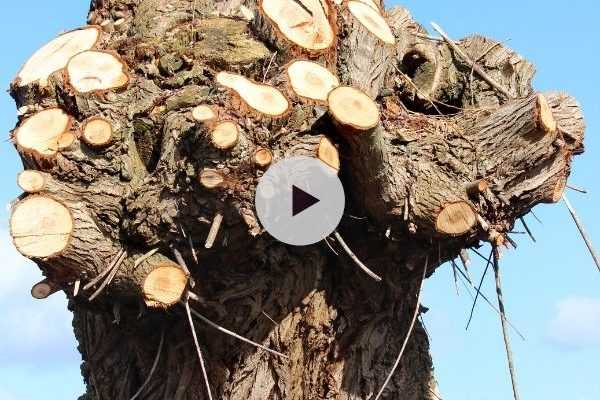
{"points": [[300, 200]]}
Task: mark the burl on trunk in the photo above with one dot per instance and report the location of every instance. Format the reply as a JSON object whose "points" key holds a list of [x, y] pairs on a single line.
{"points": [[143, 136]]}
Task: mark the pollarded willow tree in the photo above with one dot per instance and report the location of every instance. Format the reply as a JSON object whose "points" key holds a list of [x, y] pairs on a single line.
{"points": [[143, 136]]}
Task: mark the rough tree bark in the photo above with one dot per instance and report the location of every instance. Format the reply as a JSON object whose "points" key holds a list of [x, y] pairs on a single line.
{"points": [[134, 143]]}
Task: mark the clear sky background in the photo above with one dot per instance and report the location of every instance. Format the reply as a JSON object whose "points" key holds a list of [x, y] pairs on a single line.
{"points": [[552, 288]]}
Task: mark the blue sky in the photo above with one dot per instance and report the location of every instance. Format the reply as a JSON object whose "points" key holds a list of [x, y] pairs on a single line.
{"points": [[552, 288]]}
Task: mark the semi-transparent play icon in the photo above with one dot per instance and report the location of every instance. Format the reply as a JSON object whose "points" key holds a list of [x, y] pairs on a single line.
{"points": [[300, 200]]}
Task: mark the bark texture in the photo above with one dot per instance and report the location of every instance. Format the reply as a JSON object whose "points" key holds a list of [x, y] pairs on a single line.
{"points": [[138, 198]]}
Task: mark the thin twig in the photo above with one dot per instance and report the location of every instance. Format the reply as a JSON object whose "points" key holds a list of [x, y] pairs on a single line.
{"points": [[330, 246], [416, 88], [409, 333], [354, 258], [235, 335], [485, 53], [269, 66], [511, 367], [470, 62], [143, 258], [536, 217], [214, 230], [109, 278], [527, 229], [76, 287], [356, 217], [154, 365], [487, 266], [511, 241], [192, 249], [581, 228], [455, 276], [484, 297], [190, 242], [269, 318], [467, 289], [428, 37], [183, 265], [186, 304], [577, 189], [104, 272], [466, 260]]}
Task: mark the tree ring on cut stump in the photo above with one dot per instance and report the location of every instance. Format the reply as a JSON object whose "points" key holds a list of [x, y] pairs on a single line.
{"points": [[164, 286], [372, 20], [262, 98], [203, 113], [31, 181], [225, 135], [311, 81], [328, 153], [41, 227], [456, 219], [352, 109], [546, 120], [263, 157], [55, 55], [96, 70], [97, 132], [303, 22], [211, 178], [45, 133]]}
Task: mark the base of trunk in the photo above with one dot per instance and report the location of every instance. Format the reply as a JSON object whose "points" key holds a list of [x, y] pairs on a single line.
{"points": [[341, 337]]}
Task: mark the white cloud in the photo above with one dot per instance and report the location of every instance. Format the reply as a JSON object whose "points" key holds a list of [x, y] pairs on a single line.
{"points": [[33, 331], [576, 323], [6, 395], [16, 269]]}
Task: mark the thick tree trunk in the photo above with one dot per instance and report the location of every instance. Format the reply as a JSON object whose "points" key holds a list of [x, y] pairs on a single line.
{"points": [[146, 133]]}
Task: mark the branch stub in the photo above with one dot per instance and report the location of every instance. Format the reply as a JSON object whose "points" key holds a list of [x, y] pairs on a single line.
{"points": [[203, 113], [353, 110], [456, 219], [306, 24], [262, 98], [372, 20], [225, 135], [311, 81], [263, 157], [41, 227], [31, 181], [164, 286], [97, 132], [45, 133], [211, 178], [90, 71], [55, 55], [328, 153]]}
